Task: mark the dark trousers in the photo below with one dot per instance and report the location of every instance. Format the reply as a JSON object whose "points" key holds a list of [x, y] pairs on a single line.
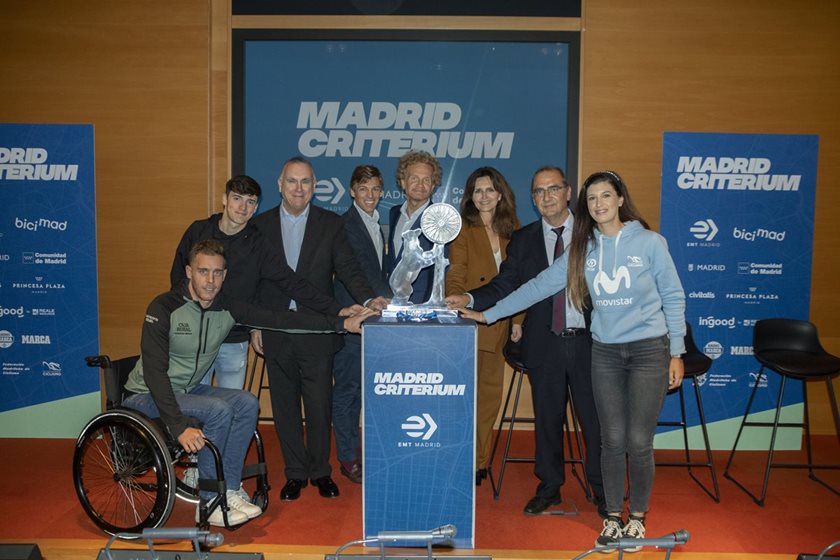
{"points": [[297, 371], [631, 380], [347, 398], [566, 366]]}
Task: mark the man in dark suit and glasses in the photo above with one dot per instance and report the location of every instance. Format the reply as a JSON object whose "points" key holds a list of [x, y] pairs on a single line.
{"points": [[556, 357]]}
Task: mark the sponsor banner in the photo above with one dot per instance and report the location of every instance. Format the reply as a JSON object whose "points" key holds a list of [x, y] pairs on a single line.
{"points": [[419, 427], [462, 101], [738, 213], [48, 299]]}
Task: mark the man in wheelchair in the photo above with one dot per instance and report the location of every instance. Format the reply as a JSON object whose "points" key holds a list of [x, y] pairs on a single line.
{"points": [[181, 336]]}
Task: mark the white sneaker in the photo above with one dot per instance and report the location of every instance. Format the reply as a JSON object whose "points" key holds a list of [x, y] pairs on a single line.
{"points": [[635, 529], [243, 494], [235, 501], [235, 517]]}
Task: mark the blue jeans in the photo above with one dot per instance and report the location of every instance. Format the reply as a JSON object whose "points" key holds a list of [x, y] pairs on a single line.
{"points": [[230, 365], [629, 381], [347, 398], [229, 418]]}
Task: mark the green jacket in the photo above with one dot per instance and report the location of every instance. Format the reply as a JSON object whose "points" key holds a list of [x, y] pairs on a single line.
{"points": [[180, 341]]}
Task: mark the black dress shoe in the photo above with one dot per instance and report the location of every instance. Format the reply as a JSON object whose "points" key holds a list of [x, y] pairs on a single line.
{"points": [[538, 504], [326, 487], [480, 475], [291, 490], [354, 473]]}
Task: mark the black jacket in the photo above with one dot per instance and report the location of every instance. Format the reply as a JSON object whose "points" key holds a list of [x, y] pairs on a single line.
{"points": [[249, 259]]}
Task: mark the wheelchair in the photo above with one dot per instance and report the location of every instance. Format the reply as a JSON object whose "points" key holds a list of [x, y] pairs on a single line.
{"points": [[128, 470]]}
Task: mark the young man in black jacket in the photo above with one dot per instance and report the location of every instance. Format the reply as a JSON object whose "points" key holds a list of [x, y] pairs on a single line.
{"points": [[249, 259]]}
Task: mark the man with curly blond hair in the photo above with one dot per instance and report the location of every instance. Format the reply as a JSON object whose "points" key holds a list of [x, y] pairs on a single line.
{"points": [[418, 174]]}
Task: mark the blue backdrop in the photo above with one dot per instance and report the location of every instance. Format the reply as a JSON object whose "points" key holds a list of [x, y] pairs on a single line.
{"points": [[738, 213], [346, 103], [48, 297]]}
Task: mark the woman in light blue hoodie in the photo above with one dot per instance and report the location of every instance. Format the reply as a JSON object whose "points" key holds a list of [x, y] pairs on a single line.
{"points": [[638, 325]]}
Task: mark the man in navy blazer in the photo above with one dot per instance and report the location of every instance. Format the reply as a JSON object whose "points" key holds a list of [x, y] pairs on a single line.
{"points": [[418, 174], [361, 224], [312, 242], [554, 361]]}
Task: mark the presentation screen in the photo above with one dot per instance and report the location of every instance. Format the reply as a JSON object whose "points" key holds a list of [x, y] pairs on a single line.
{"points": [[504, 100]]}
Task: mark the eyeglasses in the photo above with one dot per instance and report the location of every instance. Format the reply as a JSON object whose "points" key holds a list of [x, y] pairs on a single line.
{"points": [[553, 190], [414, 180]]}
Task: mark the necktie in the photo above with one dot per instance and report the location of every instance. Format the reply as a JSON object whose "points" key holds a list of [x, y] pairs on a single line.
{"points": [[558, 314]]}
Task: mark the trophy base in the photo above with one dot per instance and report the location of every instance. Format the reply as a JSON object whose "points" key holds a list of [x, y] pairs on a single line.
{"points": [[419, 313]]}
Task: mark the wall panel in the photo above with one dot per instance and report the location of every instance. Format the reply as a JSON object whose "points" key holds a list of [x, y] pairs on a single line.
{"points": [[717, 66], [139, 72]]}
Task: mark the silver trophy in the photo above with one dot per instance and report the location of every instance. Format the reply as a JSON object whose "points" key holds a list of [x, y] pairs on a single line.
{"points": [[440, 223]]}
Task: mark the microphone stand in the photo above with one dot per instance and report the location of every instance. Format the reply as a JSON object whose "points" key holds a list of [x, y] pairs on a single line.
{"points": [[198, 537], [210, 539], [389, 538], [667, 542]]}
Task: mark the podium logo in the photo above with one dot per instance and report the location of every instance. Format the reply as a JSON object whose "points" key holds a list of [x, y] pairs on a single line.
{"points": [[420, 426]]}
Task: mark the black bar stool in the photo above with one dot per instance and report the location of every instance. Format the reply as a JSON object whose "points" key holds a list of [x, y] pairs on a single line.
{"points": [[696, 364], [258, 364], [792, 349], [575, 451]]}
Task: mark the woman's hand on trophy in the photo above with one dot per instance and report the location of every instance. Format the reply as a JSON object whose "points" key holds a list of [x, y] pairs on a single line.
{"points": [[476, 316]]}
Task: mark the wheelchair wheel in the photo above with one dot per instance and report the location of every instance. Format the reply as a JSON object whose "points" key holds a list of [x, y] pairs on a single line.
{"points": [[123, 473]]}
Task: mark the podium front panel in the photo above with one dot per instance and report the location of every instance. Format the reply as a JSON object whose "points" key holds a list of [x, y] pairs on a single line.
{"points": [[419, 427]]}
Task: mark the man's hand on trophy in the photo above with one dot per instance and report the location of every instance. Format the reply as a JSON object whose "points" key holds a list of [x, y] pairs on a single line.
{"points": [[476, 316], [354, 324], [378, 303], [457, 302], [351, 310]]}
